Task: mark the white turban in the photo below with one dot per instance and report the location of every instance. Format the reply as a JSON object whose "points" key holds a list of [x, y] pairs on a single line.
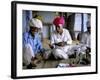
{"points": [[35, 23]]}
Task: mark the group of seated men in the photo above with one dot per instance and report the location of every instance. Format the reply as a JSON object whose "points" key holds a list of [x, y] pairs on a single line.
{"points": [[60, 41]]}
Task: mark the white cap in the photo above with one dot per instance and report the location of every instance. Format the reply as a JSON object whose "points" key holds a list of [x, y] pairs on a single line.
{"points": [[35, 23]]}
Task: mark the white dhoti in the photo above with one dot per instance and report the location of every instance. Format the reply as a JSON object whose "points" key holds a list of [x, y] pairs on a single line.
{"points": [[27, 54], [61, 52]]}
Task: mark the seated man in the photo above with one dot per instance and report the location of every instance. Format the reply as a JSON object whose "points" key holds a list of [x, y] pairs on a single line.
{"points": [[60, 39], [86, 43], [86, 37], [31, 43]]}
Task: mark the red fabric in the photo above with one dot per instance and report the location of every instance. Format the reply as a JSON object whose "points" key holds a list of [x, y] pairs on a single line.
{"points": [[58, 20]]}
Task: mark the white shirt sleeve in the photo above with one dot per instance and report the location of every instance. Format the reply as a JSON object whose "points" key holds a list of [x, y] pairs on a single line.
{"points": [[52, 41], [67, 37]]}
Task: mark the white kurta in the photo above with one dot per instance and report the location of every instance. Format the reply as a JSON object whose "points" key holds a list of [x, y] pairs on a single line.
{"points": [[28, 54], [86, 39], [61, 52]]}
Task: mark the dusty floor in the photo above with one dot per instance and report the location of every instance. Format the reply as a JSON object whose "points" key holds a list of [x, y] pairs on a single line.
{"points": [[53, 63]]}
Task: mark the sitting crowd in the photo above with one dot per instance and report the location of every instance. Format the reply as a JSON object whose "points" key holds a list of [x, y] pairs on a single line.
{"points": [[60, 42]]}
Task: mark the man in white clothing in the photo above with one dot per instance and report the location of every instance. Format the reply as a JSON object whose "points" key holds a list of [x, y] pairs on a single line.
{"points": [[86, 37], [60, 39]]}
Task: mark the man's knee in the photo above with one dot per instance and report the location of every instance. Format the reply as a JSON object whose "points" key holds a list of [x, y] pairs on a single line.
{"points": [[61, 54], [57, 51]]}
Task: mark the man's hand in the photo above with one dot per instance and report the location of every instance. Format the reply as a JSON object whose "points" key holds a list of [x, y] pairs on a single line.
{"points": [[58, 44], [51, 46], [61, 44], [33, 58]]}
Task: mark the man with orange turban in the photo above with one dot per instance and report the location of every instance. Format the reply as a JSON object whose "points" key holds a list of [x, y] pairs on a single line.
{"points": [[60, 39]]}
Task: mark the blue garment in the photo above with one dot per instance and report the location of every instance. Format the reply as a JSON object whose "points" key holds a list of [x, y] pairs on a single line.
{"points": [[35, 42]]}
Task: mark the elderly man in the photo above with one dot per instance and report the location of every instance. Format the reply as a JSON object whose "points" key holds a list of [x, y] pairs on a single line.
{"points": [[31, 43], [60, 39]]}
